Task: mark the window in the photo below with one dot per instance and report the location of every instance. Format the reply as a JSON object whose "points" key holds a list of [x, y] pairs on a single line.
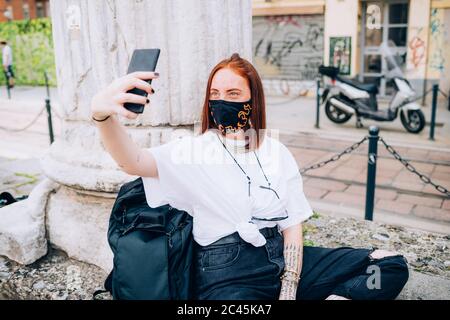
{"points": [[26, 11], [398, 35], [40, 11], [372, 63], [398, 13], [9, 13]]}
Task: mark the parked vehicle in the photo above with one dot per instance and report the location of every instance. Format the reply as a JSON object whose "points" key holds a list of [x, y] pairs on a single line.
{"points": [[344, 98]]}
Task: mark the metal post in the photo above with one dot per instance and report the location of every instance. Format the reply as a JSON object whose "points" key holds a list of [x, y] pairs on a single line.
{"points": [[49, 119], [46, 84], [317, 103], [448, 100], [49, 110], [433, 110], [371, 171]]}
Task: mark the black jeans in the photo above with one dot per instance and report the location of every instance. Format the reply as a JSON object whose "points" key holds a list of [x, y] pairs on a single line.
{"points": [[231, 268], [9, 73]]}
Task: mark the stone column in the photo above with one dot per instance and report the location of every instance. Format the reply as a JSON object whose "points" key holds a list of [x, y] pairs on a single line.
{"points": [[94, 41]]}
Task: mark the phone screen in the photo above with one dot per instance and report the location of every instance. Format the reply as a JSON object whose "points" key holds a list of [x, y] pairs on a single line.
{"points": [[141, 60]]}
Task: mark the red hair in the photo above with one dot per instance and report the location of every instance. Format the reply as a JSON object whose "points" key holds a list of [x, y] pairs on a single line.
{"points": [[246, 70]]}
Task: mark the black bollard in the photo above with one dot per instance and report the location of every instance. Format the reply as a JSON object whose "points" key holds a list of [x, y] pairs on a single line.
{"points": [[49, 110], [371, 171], [448, 100], [49, 119], [46, 84], [317, 104], [433, 110]]}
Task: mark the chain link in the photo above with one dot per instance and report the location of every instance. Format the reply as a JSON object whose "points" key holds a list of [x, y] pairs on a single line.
{"points": [[336, 157], [38, 115], [421, 96], [411, 168], [55, 113], [443, 93], [27, 126]]}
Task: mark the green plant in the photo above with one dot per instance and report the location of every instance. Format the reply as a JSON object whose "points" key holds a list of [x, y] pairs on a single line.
{"points": [[315, 215], [32, 45], [308, 243], [32, 178]]}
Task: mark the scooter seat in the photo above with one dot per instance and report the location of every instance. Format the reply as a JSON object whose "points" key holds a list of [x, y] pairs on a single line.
{"points": [[369, 87]]}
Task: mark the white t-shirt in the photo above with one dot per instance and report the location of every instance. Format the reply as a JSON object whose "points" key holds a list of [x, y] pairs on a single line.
{"points": [[7, 55], [197, 174]]}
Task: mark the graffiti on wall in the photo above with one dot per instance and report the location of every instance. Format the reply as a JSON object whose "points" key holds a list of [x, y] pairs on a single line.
{"points": [[438, 66], [438, 40], [418, 49], [288, 47]]}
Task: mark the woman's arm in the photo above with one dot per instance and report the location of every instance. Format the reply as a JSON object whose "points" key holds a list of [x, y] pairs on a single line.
{"points": [[293, 257], [129, 157], [107, 104]]}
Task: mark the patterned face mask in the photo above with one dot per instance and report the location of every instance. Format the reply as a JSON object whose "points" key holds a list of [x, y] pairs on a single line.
{"points": [[230, 115]]}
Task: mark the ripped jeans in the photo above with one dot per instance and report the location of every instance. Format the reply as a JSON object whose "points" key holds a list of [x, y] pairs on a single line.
{"points": [[232, 269]]}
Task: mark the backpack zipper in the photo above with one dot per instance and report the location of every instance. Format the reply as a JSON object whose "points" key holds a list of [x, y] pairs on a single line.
{"points": [[123, 214]]}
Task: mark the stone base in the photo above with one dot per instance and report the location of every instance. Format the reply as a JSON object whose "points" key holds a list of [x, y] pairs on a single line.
{"points": [[22, 228], [77, 223]]}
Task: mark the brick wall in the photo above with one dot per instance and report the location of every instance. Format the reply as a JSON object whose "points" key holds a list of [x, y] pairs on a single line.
{"points": [[17, 8]]}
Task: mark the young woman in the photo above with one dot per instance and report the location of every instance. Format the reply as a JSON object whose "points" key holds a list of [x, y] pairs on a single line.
{"points": [[244, 191]]}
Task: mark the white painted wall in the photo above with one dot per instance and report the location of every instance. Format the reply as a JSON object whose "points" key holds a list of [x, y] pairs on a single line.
{"points": [[418, 27], [341, 19]]}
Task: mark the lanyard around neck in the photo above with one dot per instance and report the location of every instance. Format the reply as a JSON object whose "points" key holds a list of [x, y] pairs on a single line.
{"points": [[243, 171]]}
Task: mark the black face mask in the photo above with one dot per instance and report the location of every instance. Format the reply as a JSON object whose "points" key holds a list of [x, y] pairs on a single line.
{"points": [[230, 115]]}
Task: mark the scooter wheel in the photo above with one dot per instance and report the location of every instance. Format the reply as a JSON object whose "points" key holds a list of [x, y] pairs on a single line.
{"points": [[335, 114], [414, 122]]}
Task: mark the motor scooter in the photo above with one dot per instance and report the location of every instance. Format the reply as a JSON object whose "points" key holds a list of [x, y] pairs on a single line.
{"points": [[344, 98]]}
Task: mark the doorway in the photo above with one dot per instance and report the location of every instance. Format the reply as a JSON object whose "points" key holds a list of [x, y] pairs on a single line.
{"points": [[382, 22]]}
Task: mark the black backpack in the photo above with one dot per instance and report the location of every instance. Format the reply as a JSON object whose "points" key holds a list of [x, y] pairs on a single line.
{"points": [[152, 248]]}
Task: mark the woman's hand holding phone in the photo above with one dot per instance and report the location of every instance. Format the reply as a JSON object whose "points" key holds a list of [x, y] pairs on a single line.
{"points": [[110, 100]]}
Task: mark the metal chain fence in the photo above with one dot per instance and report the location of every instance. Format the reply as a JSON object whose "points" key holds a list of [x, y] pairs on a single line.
{"points": [[27, 126], [411, 168], [33, 121], [391, 150], [336, 157]]}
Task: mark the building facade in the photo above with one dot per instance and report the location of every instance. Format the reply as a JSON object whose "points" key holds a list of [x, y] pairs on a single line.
{"points": [[23, 9], [291, 38]]}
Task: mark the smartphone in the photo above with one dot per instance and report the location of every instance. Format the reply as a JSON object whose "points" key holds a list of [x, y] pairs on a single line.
{"points": [[141, 60]]}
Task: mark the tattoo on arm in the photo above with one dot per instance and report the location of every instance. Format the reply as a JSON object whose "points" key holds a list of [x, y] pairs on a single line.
{"points": [[293, 256], [288, 290]]}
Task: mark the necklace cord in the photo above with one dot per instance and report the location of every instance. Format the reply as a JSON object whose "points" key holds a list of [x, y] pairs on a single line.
{"points": [[249, 180], [245, 173]]}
